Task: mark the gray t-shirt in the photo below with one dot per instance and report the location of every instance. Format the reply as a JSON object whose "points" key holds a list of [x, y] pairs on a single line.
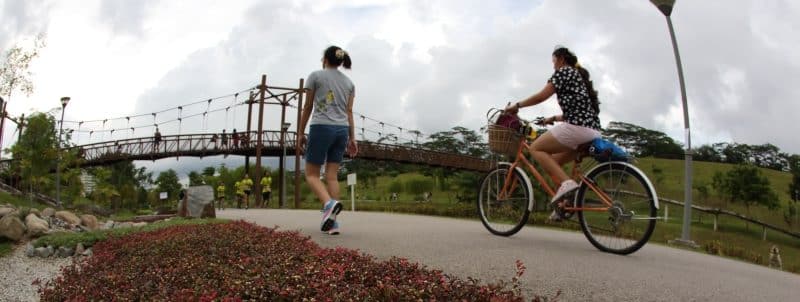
{"points": [[332, 89]]}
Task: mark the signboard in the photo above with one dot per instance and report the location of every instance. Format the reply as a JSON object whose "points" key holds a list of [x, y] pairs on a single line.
{"points": [[162, 195], [351, 179]]}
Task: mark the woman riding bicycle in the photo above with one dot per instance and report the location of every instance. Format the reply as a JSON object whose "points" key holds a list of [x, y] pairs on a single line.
{"points": [[580, 108]]}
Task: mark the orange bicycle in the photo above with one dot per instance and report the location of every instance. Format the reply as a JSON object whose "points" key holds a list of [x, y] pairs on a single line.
{"points": [[616, 203]]}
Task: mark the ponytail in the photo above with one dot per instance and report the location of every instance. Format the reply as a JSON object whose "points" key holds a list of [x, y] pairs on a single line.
{"points": [[572, 60], [338, 57]]}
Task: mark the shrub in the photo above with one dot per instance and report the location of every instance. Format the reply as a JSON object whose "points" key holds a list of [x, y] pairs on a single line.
{"points": [[70, 239], [241, 261], [419, 185], [396, 186]]}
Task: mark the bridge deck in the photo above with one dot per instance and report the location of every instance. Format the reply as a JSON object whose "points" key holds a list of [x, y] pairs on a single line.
{"points": [[210, 144]]}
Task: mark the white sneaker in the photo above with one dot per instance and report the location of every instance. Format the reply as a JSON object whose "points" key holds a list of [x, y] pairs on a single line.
{"points": [[567, 187]]}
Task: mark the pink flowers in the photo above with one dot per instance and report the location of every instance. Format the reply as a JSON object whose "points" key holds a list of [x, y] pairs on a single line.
{"points": [[240, 261]]}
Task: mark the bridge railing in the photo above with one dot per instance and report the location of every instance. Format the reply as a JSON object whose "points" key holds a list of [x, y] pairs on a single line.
{"points": [[181, 145], [146, 148]]}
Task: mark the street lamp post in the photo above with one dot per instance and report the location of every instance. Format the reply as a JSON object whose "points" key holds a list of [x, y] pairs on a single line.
{"points": [[665, 6], [284, 128], [64, 102]]}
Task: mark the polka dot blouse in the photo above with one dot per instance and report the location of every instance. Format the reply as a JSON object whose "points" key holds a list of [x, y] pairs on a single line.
{"points": [[573, 97]]}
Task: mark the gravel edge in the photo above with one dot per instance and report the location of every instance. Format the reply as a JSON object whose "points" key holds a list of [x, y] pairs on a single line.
{"points": [[18, 271]]}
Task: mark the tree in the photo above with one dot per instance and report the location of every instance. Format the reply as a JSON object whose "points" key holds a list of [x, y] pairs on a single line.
{"points": [[643, 142], [14, 73], [745, 184], [167, 181], [104, 191], [36, 151], [794, 186], [707, 153], [195, 179]]}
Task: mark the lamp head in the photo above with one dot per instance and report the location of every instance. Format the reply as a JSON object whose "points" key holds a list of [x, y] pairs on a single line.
{"points": [[286, 126], [64, 101], [665, 6]]}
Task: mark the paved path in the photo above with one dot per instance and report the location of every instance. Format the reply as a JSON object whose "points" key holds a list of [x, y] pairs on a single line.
{"points": [[555, 259]]}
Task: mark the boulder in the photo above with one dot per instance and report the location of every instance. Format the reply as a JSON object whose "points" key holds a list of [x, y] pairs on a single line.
{"points": [[90, 222], [88, 252], [79, 249], [36, 226], [197, 202], [30, 251], [48, 212], [6, 210], [139, 224], [42, 252], [122, 225], [108, 225], [35, 211], [12, 227], [51, 250], [65, 252], [69, 217]]}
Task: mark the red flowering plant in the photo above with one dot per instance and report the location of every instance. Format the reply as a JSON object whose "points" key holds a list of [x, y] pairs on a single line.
{"points": [[240, 261]]}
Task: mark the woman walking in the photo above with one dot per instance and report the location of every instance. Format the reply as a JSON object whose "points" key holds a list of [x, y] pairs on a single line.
{"points": [[332, 132]]}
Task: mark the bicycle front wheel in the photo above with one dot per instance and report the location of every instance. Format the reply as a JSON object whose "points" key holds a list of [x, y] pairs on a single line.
{"points": [[504, 213], [628, 223]]}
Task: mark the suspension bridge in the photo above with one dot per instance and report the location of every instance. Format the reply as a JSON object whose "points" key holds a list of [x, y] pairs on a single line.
{"points": [[96, 144]]}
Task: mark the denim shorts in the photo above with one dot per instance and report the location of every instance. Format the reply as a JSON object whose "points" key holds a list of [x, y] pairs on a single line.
{"points": [[326, 143]]}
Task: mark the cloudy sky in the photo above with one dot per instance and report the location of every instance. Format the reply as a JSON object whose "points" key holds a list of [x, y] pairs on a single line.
{"points": [[426, 65]]}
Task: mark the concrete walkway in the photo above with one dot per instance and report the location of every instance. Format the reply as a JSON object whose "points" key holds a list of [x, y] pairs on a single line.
{"points": [[556, 260]]}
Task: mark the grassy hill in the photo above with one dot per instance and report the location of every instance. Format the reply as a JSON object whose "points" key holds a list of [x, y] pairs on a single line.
{"points": [[733, 239]]}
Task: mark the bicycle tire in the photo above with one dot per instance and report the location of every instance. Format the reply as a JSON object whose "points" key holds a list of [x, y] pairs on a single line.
{"points": [[639, 194], [514, 211]]}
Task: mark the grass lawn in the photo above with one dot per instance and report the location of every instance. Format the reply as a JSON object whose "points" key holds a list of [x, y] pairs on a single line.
{"points": [[5, 247]]}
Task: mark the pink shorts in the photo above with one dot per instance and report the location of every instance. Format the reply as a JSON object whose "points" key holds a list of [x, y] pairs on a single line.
{"points": [[571, 135]]}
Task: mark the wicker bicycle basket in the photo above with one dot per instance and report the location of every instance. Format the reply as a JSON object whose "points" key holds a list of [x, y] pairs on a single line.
{"points": [[503, 140]]}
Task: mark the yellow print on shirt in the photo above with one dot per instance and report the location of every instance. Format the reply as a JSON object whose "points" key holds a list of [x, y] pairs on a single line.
{"points": [[328, 100]]}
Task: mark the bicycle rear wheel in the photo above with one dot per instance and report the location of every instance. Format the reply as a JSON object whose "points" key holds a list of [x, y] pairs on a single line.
{"points": [[504, 215], [627, 225]]}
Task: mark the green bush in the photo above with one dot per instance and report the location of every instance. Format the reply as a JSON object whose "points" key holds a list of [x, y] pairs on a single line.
{"points": [[396, 186], [418, 185], [89, 238]]}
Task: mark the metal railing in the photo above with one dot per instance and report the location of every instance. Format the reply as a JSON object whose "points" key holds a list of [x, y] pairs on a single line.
{"points": [[210, 144]]}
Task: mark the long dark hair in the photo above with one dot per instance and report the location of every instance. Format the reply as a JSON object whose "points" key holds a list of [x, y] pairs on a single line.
{"points": [[336, 57], [572, 60]]}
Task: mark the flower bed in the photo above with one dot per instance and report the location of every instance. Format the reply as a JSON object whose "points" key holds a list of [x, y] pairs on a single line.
{"points": [[241, 261]]}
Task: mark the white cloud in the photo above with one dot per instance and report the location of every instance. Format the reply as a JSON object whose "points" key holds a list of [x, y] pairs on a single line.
{"points": [[434, 65]]}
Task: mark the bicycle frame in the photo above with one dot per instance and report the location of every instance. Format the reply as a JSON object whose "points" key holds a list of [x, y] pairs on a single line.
{"points": [[523, 161]]}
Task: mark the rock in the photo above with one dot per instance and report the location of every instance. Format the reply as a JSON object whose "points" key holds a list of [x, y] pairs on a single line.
{"points": [[65, 252], [48, 212], [197, 199], [88, 252], [69, 217], [12, 228], [108, 225], [42, 252], [36, 226], [138, 224], [90, 222], [35, 211], [79, 249], [30, 251], [6, 210], [123, 225]]}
